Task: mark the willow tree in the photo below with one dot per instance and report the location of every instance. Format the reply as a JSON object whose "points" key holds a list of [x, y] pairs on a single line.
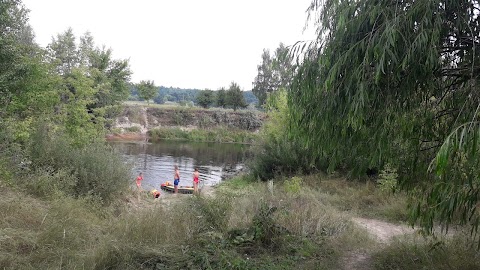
{"points": [[396, 82]]}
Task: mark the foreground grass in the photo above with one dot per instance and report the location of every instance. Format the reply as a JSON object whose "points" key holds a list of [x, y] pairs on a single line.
{"points": [[246, 225], [238, 228]]}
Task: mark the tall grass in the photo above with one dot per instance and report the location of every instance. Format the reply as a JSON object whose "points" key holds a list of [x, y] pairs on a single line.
{"points": [[451, 252], [231, 230]]}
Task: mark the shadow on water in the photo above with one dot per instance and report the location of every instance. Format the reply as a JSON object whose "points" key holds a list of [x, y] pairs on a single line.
{"points": [[156, 160]]}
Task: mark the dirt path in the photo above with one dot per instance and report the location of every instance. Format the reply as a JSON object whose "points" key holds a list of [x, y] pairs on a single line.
{"points": [[382, 231]]}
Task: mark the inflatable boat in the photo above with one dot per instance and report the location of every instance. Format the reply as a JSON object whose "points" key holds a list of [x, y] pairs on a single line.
{"points": [[181, 189]]}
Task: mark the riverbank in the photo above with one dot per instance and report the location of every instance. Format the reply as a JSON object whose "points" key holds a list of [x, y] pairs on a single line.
{"points": [[143, 123]]}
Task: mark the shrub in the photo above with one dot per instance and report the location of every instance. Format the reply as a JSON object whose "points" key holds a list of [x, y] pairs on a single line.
{"points": [[99, 172], [387, 181], [293, 185], [135, 129], [276, 152]]}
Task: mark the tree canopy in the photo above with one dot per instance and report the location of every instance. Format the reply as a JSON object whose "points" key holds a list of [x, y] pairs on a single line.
{"points": [[274, 72], [205, 98], [396, 82], [221, 97], [147, 90], [234, 97]]}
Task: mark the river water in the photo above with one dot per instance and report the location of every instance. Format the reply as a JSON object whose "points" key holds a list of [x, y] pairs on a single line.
{"points": [[214, 161]]}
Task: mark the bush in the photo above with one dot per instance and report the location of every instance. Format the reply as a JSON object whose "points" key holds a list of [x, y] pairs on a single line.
{"points": [[276, 152], [293, 185], [97, 171], [135, 129], [388, 179]]}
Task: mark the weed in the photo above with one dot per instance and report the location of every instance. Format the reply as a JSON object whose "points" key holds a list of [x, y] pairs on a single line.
{"points": [[293, 185], [388, 179]]}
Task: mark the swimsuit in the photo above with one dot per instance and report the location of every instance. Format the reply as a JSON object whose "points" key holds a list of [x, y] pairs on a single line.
{"points": [[195, 180], [176, 182], [139, 179]]}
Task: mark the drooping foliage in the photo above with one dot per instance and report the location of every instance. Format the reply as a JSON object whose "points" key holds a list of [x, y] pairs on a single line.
{"points": [[395, 82]]}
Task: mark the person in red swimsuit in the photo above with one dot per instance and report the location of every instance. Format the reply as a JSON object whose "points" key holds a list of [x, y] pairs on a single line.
{"points": [[196, 179], [139, 181]]}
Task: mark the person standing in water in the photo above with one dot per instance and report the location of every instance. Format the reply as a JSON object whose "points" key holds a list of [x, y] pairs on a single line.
{"points": [[139, 181], [176, 179], [196, 176]]}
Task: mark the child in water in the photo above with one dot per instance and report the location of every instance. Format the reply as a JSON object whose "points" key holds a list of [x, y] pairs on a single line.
{"points": [[196, 179]]}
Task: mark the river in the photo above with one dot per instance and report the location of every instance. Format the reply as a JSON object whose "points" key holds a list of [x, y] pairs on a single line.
{"points": [[214, 161]]}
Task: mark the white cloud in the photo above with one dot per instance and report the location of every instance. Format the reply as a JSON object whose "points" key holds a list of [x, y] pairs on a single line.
{"points": [[189, 44]]}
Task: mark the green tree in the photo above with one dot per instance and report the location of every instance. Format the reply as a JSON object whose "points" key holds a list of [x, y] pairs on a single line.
{"points": [[63, 53], [110, 76], [221, 97], [396, 82], [205, 98], [234, 97], [273, 73], [26, 85], [147, 90]]}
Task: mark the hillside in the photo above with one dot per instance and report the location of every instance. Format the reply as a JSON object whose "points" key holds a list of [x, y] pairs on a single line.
{"points": [[148, 118]]}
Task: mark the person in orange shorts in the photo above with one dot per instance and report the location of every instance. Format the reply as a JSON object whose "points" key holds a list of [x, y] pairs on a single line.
{"points": [[196, 180]]}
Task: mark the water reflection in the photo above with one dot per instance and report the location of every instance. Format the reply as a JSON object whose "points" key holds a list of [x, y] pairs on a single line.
{"points": [[156, 160]]}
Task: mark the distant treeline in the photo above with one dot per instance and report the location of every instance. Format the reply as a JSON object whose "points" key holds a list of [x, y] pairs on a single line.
{"points": [[180, 95]]}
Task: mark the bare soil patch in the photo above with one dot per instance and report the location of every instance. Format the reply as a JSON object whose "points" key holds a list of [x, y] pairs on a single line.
{"points": [[382, 231]]}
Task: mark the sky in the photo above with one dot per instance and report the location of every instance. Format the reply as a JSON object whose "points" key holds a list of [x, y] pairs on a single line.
{"points": [[203, 44]]}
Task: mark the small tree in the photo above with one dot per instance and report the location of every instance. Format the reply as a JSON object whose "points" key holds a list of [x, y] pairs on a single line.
{"points": [[205, 98], [221, 97], [234, 97], [274, 72], [147, 90]]}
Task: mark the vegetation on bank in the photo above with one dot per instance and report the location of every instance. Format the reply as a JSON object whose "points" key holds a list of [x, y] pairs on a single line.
{"points": [[220, 135], [246, 225], [190, 124]]}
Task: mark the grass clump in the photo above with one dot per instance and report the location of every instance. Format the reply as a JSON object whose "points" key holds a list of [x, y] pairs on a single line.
{"points": [[451, 252]]}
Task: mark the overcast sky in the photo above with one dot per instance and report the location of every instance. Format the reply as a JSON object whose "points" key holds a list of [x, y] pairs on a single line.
{"points": [[187, 44]]}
